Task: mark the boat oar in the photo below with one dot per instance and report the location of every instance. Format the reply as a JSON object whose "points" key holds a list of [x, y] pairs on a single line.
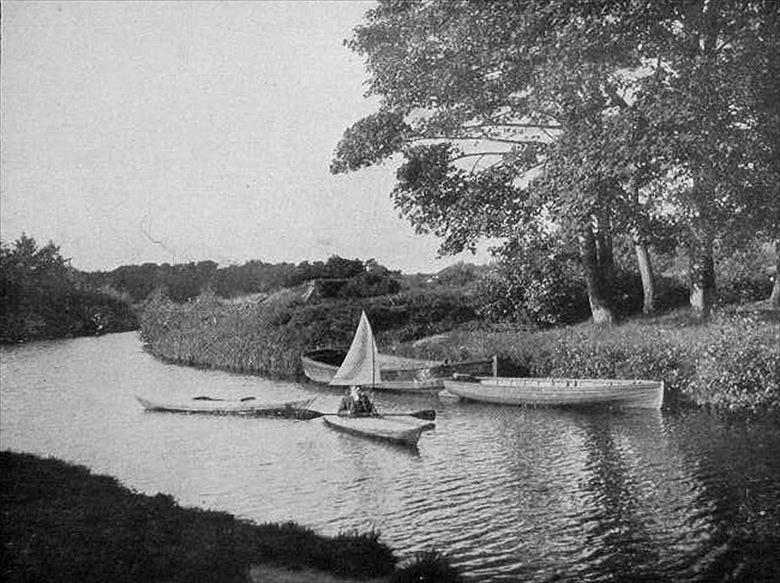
{"points": [[426, 414]]}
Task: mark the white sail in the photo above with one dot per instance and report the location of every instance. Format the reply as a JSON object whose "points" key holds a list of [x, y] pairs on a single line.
{"points": [[361, 365]]}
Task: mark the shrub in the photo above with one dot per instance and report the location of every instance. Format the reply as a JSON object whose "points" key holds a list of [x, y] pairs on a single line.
{"points": [[370, 284], [546, 291], [744, 275], [739, 366]]}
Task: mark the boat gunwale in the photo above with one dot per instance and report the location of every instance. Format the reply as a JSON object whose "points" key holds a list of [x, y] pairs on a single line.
{"points": [[533, 391], [227, 406], [411, 432]]}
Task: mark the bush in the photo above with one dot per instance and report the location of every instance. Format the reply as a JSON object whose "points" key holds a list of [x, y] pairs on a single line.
{"points": [[738, 367], [744, 276], [40, 297], [546, 291], [370, 284]]}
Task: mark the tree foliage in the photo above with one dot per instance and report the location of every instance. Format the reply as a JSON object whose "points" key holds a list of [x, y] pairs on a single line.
{"points": [[599, 117], [41, 296]]}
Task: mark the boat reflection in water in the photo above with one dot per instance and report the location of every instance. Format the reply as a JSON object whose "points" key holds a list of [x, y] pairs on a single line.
{"points": [[588, 495]]}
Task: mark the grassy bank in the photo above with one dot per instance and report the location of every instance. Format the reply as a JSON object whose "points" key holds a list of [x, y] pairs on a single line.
{"points": [[62, 523], [729, 362]]}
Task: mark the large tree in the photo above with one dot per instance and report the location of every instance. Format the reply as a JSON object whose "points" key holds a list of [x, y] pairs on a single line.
{"points": [[565, 113], [711, 104]]}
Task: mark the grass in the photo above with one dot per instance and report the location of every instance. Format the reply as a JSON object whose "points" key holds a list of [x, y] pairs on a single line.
{"points": [[62, 523]]}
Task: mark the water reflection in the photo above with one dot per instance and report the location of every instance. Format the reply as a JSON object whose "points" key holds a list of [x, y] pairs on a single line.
{"points": [[512, 494]]}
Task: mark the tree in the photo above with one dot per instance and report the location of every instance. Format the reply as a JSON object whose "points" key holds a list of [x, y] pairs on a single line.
{"points": [[711, 103], [509, 113]]}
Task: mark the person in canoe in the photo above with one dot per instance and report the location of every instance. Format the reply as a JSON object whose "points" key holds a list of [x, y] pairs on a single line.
{"points": [[356, 403]]}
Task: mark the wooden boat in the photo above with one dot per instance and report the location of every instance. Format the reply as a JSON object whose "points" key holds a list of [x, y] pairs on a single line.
{"points": [[398, 373], [247, 407], [559, 392], [360, 367], [399, 430]]}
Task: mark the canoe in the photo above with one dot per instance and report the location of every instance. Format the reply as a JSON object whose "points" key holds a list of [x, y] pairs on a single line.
{"points": [[398, 373], [398, 430], [559, 392], [247, 407]]}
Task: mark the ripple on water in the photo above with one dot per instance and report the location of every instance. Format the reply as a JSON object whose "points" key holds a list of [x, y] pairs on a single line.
{"points": [[511, 494]]}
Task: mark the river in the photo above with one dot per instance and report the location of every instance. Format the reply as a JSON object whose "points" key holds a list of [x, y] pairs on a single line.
{"points": [[510, 494]]}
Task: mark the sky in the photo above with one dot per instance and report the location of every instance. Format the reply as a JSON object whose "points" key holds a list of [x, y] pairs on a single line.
{"points": [[136, 132]]}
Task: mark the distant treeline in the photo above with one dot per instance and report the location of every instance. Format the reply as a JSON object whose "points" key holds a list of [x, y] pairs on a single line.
{"points": [[184, 282], [42, 296]]}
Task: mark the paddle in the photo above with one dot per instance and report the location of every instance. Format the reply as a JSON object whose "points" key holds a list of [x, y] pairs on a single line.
{"points": [[213, 399], [426, 414]]}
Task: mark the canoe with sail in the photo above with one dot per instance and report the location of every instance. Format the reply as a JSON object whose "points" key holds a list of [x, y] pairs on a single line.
{"points": [[361, 368]]}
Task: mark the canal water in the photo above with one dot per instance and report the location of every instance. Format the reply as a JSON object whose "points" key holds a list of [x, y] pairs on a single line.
{"points": [[510, 494]]}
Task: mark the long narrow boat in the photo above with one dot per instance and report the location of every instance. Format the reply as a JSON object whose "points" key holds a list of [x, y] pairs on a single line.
{"points": [[399, 430], [247, 407], [399, 374], [360, 368], [559, 392]]}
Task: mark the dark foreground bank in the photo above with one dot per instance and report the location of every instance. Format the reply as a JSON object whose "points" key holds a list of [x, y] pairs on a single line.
{"points": [[62, 523]]}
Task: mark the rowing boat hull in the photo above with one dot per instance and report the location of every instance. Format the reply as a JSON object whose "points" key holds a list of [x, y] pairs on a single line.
{"points": [[398, 430], [399, 374], [228, 407], [560, 392]]}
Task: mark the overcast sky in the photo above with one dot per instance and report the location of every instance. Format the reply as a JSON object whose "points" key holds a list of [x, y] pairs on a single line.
{"points": [[185, 131]]}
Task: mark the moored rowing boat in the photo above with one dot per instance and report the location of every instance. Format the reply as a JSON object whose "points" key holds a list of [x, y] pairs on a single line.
{"points": [[399, 430], [248, 407], [559, 392], [398, 373]]}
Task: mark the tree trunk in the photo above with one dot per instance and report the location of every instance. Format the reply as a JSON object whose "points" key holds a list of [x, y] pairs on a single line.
{"points": [[703, 291], [606, 259], [599, 292], [774, 299], [646, 273]]}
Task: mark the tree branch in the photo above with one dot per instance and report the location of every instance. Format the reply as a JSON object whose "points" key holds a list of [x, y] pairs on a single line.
{"points": [[538, 126], [480, 154]]}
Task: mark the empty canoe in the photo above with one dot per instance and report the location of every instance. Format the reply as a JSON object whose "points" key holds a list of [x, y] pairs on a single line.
{"points": [[400, 430], [212, 406], [559, 392], [398, 373]]}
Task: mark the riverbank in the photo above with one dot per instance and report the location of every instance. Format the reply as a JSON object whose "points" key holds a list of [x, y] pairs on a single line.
{"points": [[729, 362], [62, 523]]}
